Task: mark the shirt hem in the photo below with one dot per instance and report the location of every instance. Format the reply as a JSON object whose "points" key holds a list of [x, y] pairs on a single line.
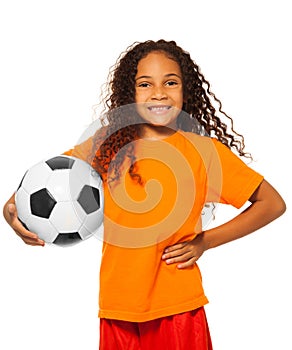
{"points": [[148, 316]]}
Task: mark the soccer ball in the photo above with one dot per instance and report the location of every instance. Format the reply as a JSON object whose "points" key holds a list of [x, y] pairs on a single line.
{"points": [[61, 200]]}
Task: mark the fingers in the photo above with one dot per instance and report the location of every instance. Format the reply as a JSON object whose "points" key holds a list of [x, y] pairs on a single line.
{"points": [[175, 247], [191, 262], [27, 236], [185, 254], [187, 257], [182, 253], [30, 240], [176, 250]]}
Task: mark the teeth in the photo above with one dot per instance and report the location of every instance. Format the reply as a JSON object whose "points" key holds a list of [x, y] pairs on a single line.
{"points": [[160, 108]]}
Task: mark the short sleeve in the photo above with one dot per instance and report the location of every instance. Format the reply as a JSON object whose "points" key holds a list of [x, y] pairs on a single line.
{"points": [[232, 181], [82, 151]]}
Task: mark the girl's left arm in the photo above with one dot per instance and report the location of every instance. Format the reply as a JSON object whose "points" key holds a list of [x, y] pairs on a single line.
{"points": [[266, 206]]}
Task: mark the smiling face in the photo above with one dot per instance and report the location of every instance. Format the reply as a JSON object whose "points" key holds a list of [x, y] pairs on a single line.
{"points": [[159, 91]]}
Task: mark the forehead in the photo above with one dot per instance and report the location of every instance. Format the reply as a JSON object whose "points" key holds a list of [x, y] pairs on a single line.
{"points": [[156, 62]]}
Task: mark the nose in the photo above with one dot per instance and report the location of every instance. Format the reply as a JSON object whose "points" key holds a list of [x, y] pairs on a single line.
{"points": [[158, 93]]}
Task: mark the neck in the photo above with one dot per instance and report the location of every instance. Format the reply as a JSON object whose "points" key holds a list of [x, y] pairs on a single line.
{"points": [[156, 132]]}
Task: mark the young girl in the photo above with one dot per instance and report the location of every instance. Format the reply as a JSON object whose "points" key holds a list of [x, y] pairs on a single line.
{"points": [[163, 153]]}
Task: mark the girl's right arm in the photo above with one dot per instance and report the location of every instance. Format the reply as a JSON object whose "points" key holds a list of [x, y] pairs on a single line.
{"points": [[10, 215], [82, 151]]}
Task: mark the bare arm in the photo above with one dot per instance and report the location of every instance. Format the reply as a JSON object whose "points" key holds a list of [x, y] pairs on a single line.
{"points": [[266, 206], [10, 215]]}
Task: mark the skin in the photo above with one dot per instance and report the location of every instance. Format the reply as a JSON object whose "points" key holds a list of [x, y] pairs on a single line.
{"points": [[159, 94], [10, 215], [266, 206], [159, 86]]}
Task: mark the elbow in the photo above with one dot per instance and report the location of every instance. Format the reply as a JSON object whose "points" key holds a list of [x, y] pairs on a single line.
{"points": [[274, 201], [279, 207], [283, 207]]}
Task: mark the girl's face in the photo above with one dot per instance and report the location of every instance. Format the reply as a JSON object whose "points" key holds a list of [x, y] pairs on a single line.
{"points": [[159, 90]]}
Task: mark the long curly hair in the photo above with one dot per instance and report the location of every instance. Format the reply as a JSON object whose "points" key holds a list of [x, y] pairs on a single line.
{"points": [[113, 143]]}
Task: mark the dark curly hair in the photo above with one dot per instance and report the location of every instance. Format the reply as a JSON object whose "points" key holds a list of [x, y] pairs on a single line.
{"points": [[119, 129]]}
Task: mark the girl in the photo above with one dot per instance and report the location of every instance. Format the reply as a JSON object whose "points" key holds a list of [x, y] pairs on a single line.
{"points": [[163, 153]]}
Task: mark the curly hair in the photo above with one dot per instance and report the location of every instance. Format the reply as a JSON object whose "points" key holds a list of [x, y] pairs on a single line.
{"points": [[121, 129]]}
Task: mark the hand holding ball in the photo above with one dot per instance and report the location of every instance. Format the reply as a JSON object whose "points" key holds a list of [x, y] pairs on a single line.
{"points": [[61, 200]]}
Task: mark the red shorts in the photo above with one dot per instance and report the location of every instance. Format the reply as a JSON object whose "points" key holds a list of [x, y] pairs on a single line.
{"points": [[186, 331]]}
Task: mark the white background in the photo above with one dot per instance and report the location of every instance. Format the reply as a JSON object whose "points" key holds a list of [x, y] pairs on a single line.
{"points": [[55, 56]]}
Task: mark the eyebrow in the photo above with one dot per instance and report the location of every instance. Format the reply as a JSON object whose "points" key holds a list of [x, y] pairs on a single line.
{"points": [[166, 76]]}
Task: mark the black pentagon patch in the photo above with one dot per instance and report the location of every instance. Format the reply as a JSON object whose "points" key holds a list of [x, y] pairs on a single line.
{"points": [[66, 239], [42, 203], [21, 181], [60, 162], [89, 199]]}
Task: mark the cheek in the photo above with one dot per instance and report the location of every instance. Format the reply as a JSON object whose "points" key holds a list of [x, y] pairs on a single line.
{"points": [[179, 99], [137, 96], [140, 96], [140, 108]]}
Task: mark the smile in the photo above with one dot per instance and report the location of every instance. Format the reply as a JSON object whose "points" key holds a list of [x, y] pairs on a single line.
{"points": [[159, 109]]}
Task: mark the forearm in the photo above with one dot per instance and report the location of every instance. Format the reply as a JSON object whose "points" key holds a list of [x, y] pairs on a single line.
{"points": [[245, 223], [266, 206], [261, 212]]}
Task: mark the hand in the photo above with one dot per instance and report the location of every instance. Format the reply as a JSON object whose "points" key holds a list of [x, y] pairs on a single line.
{"points": [[27, 236], [185, 253]]}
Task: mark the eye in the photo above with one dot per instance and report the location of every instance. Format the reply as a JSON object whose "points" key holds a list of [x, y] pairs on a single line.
{"points": [[171, 83], [143, 85]]}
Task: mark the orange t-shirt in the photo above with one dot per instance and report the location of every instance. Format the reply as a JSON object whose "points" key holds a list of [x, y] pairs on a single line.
{"points": [[180, 175]]}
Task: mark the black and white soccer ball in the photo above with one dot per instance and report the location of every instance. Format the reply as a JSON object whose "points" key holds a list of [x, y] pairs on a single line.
{"points": [[61, 200]]}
